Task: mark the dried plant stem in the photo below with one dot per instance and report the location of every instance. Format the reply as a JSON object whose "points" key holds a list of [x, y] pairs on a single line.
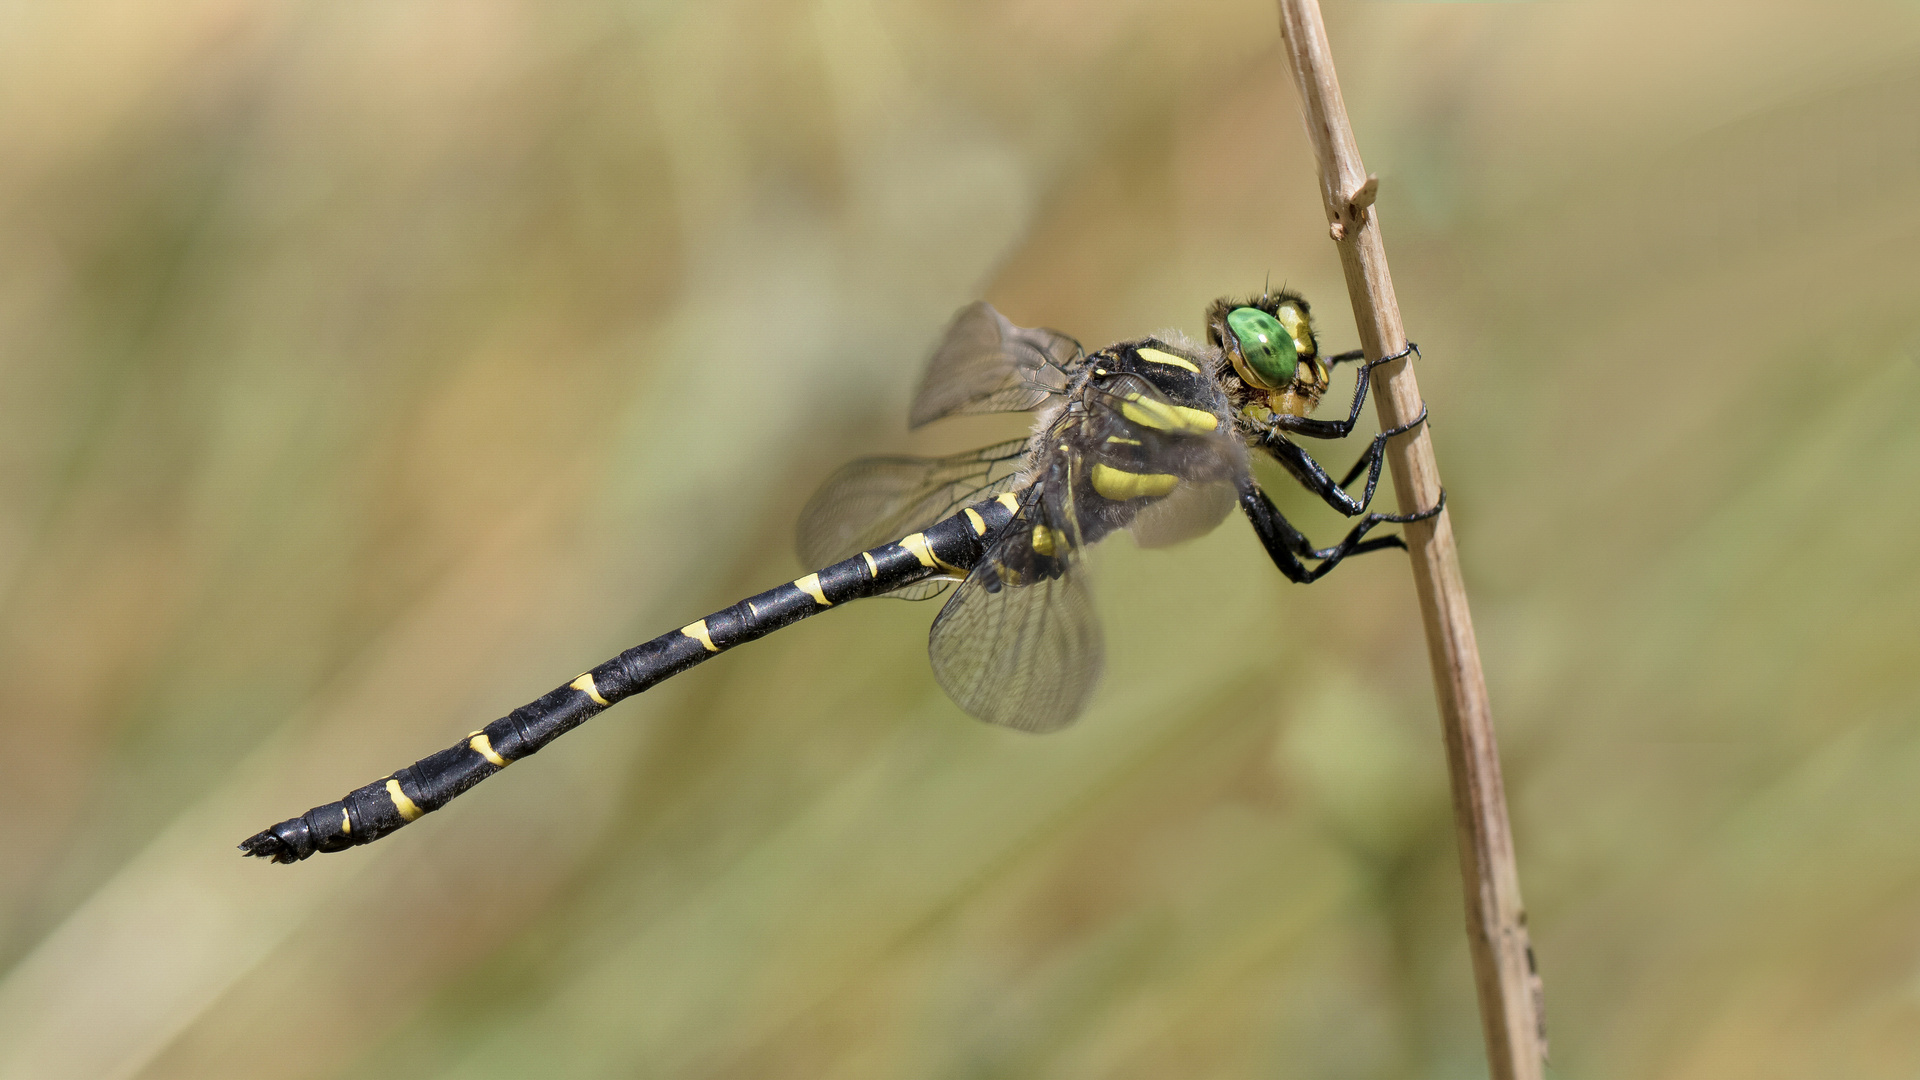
{"points": [[1509, 988]]}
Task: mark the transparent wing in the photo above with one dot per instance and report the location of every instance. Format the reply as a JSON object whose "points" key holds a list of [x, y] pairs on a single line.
{"points": [[1191, 511], [1181, 465], [987, 364], [1018, 644], [875, 501], [921, 590]]}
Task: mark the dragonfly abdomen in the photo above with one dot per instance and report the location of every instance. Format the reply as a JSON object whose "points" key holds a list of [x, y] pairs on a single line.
{"points": [[949, 547]]}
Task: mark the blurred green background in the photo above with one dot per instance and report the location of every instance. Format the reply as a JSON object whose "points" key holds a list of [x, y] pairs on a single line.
{"points": [[367, 369]]}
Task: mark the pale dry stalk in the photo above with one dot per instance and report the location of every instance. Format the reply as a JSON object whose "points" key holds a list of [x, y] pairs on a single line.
{"points": [[1508, 985]]}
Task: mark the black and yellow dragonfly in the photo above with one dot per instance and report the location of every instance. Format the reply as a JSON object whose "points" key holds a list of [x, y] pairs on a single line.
{"points": [[1151, 436]]}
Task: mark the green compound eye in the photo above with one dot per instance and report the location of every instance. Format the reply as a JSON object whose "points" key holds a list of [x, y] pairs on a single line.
{"points": [[1266, 347]]}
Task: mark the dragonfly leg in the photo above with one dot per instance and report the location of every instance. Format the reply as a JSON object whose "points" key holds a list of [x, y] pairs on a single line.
{"points": [[1314, 478], [1340, 429], [1287, 545]]}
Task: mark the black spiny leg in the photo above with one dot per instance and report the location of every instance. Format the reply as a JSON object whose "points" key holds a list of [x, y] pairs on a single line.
{"points": [[1286, 545], [1315, 479], [1340, 429]]}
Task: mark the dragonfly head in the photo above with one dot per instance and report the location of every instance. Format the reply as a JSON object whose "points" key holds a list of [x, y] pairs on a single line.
{"points": [[1269, 340], [1272, 346]]}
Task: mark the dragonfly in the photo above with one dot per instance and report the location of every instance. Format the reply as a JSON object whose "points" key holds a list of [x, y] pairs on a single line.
{"points": [[1152, 436]]}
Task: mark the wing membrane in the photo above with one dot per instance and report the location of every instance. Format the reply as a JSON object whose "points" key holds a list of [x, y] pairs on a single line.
{"points": [[875, 501], [987, 364], [1190, 511], [1018, 644]]}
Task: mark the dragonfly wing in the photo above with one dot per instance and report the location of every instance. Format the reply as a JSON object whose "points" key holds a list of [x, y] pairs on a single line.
{"points": [[987, 364], [1018, 643], [921, 590], [1190, 511], [875, 501]]}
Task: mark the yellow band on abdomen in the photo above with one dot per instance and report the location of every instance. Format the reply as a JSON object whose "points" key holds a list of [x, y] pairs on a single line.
{"points": [[587, 686], [698, 632], [923, 551], [408, 810], [480, 744], [811, 586]]}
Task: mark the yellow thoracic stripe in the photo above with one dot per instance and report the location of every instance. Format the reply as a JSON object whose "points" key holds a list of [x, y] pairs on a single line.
{"points": [[1156, 356], [587, 686], [811, 586], [1120, 485], [917, 544], [1158, 414], [1048, 541], [979, 523], [408, 811], [480, 744], [1008, 500], [698, 632]]}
